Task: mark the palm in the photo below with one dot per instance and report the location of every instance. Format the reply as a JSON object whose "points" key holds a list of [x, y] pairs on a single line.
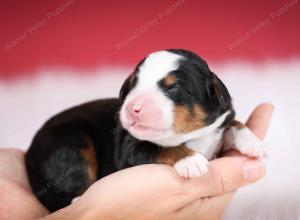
{"points": [[142, 192]]}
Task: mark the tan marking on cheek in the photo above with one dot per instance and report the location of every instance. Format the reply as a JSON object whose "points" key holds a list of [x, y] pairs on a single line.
{"points": [[169, 80], [186, 121], [89, 155], [171, 155]]}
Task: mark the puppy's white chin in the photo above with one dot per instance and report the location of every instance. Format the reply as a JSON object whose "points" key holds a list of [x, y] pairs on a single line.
{"points": [[145, 133]]}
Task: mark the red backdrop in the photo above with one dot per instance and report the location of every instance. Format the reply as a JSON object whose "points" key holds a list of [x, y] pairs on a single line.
{"points": [[86, 34]]}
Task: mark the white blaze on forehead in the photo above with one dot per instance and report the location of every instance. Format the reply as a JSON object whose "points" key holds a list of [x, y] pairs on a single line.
{"points": [[147, 93], [156, 66]]}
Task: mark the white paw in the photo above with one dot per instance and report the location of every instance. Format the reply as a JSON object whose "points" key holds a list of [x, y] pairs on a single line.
{"points": [[192, 166], [248, 144], [75, 199]]}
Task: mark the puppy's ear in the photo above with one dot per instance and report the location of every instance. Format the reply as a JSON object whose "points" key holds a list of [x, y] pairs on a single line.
{"points": [[126, 87], [218, 93]]}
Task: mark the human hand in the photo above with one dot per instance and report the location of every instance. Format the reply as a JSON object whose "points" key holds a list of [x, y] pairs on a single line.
{"points": [[17, 200], [157, 192]]}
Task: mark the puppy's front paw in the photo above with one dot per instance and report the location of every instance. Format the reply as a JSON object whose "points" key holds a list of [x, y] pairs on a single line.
{"points": [[248, 144], [192, 166]]}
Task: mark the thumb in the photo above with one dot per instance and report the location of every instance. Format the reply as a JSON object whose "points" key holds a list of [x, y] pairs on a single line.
{"points": [[225, 175], [229, 173]]}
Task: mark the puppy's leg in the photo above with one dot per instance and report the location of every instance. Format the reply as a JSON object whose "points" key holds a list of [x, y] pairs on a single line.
{"points": [[186, 162], [192, 166], [241, 138], [61, 164], [75, 199], [131, 152]]}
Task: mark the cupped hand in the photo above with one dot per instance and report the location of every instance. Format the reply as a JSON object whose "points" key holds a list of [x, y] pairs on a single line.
{"points": [[16, 198], [157, 192]]}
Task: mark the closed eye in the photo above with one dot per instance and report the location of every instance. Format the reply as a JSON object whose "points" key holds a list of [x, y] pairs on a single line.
{"points": [[172, 89]]}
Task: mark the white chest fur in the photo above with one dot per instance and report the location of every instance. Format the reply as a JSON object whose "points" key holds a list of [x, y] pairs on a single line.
{"points": [[209, 145]]}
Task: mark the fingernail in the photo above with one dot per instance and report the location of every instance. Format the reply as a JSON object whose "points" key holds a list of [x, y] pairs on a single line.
{"points": [[253, 170]]}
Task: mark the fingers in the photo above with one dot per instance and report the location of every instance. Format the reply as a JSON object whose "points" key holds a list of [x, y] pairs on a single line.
{"points": [[202, 208], [17, 202], [225, 175], [12, 166], [259, 120]]}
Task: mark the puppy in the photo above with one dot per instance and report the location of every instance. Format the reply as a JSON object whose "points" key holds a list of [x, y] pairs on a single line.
{"points": [[172, 109]]}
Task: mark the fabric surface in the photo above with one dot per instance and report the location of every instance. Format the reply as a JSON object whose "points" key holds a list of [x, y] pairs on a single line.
{"points": [[27, 103]]}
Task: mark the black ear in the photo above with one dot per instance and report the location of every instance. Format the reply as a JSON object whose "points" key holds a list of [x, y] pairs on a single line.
{"points": [[218, 93], [126, 87]]}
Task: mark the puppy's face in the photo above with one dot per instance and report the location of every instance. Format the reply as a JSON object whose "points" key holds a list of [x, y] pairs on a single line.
{"points": [[171, 93]]}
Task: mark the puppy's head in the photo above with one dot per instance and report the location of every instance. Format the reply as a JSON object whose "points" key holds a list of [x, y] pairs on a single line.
{"points": [[171, 93]]}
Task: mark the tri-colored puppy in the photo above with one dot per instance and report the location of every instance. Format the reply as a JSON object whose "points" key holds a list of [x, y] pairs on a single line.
{"points": [[172, 109]]}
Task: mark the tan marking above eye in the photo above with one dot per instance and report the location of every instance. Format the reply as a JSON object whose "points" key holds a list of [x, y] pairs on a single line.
{"points": [[169, 80], [186, 121]]}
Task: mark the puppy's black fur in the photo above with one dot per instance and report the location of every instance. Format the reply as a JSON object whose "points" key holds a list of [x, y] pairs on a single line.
{"points": [[57, 171], [56, 167]]}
